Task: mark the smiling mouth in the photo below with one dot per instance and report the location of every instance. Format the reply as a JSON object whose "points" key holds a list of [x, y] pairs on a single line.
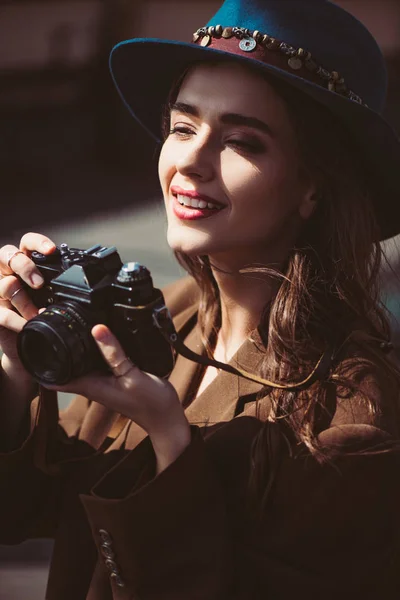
{"points": [[196, 203]]}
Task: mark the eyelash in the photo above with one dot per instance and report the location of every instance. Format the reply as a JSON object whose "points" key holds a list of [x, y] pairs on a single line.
{"points": [[181, 130], [254, 147]]}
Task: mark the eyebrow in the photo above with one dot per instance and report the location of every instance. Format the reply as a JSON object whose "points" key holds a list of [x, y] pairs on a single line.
{"points": [[228, 118]]}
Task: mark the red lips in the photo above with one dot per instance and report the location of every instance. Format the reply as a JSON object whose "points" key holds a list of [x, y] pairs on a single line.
{"points": [[176, 190]]}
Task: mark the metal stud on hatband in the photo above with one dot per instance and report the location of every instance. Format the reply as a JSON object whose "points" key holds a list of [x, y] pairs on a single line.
{"points": [[352, 96], [273, 44], [297, 57], [323, 73], [247, 44], [227, 33], [287, 49], [295, 63], [239, 32]]}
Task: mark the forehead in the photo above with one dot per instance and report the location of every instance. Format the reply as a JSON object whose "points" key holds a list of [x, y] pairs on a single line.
{"points": [[233, 88]]}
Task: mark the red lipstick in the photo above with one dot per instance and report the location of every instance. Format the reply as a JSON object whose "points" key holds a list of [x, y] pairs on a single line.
{"points": [[191, 213]]}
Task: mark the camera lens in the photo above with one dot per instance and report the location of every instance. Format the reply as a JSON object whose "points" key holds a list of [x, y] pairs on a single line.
{"points": [[57, 346]]}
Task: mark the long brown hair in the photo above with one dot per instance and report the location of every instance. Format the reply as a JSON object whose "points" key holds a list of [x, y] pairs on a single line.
{"points": [[329, 292]]}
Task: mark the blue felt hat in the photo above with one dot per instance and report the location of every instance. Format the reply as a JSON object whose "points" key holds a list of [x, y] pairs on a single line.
{"points": [[314, 45]]}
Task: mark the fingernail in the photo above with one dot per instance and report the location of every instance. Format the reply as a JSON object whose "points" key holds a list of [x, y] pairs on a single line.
{"points": [[102, 335], [47, 245], [37, 279]]}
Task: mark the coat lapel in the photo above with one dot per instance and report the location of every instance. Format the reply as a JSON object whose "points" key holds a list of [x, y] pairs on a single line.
{"points": [[227, 392]]}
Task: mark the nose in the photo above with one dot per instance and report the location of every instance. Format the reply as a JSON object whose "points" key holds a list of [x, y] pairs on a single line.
{"points": [[197, 159]]}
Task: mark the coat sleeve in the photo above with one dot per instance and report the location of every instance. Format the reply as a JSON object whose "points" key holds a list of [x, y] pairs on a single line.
{"points": [[328, 531], [34, 474]]}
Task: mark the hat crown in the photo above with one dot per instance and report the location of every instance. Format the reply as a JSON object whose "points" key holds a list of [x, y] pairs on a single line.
{"points": [[336, 39]]}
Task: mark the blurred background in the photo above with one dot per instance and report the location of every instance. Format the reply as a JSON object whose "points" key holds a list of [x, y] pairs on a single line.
{"points": [[75, 166]]}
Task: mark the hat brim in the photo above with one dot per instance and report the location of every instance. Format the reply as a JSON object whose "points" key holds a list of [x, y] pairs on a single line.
{"points": [[144, 69]]}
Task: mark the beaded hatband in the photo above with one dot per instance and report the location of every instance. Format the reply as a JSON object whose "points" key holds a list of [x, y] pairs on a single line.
{"points": [[263, 47]]}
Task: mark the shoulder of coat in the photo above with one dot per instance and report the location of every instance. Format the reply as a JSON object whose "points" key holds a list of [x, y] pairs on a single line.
{"points": [[367, 390]]}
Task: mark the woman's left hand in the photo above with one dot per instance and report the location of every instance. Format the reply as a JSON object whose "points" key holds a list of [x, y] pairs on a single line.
{"points": [[147, 400]]}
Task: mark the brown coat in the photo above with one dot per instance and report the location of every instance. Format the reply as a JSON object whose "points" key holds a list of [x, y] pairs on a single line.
{"points": [[329, 532]]}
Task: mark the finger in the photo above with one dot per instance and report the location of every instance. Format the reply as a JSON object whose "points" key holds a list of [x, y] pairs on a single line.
{"points": [[112, 351], [79, 385], [11, 320], [29, 242], [13, 293], [36, 242], [20, 265], [6, 253]]}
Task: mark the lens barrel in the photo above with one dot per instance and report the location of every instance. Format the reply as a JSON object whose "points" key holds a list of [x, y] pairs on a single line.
{"points": [[57, 345]]}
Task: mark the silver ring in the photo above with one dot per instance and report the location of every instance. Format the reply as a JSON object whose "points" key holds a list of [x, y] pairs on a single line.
{"points": [[12, 256], [117, 369], [15, 293]]}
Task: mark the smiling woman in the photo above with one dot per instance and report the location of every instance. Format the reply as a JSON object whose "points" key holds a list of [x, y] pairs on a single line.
{"points": [[214, 486], [221, 148]]}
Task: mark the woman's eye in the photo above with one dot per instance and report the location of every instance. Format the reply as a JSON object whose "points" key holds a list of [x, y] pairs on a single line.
{"points": [[253, 146], [181, 131]]}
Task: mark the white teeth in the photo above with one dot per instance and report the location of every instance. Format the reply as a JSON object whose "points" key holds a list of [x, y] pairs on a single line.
{"points": [[195, 203], [184, 200]]}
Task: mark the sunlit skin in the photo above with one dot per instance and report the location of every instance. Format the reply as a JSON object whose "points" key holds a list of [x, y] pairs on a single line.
{"points": [[231, 139]]}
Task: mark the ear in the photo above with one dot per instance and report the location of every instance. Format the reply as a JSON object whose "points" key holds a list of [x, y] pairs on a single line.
{"points": [[308, 203]]}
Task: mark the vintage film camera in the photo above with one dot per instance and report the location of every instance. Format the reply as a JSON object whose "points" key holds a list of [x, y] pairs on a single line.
{"points": [[83, 288]]}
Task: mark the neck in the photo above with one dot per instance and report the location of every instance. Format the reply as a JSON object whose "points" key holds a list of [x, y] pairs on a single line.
{"points": [[244, 296]]}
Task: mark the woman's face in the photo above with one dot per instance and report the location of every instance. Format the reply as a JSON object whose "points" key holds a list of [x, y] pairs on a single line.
{"points": [[229, 168]]}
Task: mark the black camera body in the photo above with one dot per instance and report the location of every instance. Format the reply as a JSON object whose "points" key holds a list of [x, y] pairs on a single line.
{"points": [[83, 288]]}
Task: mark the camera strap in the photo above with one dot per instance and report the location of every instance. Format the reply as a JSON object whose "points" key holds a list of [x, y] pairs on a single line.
{"points": [[162, 319]]}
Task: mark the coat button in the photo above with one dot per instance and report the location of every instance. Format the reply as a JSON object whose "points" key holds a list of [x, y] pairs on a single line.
{"points": [[105, 537], [107, 551], [117, 579], [111, 565]]}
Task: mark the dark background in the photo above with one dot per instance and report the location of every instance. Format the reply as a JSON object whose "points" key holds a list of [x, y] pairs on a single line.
{"points": [[69, 151], [67, 143]]}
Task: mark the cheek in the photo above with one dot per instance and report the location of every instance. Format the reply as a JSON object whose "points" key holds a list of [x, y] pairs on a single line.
{"points": [[267, 184], [165, 168]]}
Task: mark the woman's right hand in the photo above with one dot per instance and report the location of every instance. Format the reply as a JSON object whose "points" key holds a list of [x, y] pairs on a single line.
{"points": [[16, 308]]}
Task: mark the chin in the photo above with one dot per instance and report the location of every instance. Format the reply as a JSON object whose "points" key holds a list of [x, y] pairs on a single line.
{"points": [[189, 242]]}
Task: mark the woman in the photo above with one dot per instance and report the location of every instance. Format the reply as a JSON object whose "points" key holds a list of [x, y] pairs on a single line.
{"points": [[211, 485]]}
